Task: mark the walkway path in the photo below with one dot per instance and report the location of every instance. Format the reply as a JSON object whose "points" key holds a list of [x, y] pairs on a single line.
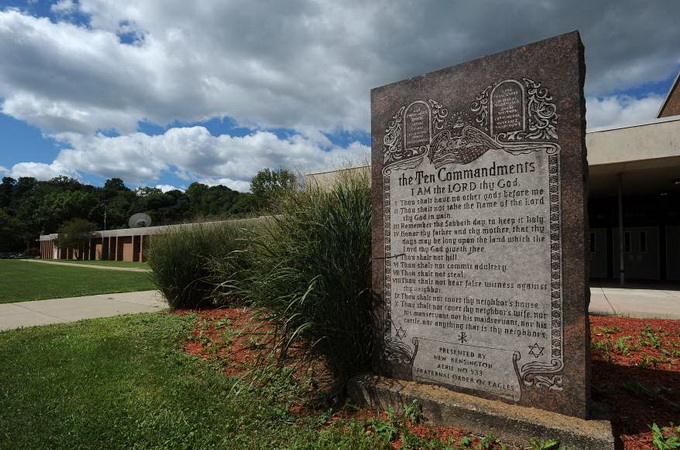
{"points": [[661, 303], [90, 266], [44, 312]]}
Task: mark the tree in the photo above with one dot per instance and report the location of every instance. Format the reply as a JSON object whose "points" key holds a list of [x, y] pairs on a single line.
{"points": [[6, 189], [64, 183], [155, 203], [24, 185], [10, 233], [75, 234], [114, 185], [213, 201], [57, 207], [116, 203], [30, 207], [243, 206], [117, 210], [269, 184]]}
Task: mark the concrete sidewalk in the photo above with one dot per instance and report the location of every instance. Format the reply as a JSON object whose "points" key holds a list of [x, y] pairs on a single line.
{"points": [[659, 302], [44, 312], [648, 303]]}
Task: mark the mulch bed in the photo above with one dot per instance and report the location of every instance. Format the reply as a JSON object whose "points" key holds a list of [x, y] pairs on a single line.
{"points": [[635, 370], [242, 341], [636, 374], [231, 335]]}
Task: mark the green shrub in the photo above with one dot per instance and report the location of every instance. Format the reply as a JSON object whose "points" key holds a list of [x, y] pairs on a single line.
{"points": [[182, 260], [311, 273]]}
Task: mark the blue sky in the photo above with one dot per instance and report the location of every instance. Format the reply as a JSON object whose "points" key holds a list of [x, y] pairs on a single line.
{"points": [[167, 92]]}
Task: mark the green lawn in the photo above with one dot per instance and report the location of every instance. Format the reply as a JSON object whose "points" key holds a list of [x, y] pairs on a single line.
{"points": [[22, 281], [134, 265], [126, 383]]}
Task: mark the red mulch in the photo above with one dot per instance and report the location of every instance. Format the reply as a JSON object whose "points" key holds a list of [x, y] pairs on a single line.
{"points": [[241, 341], [638, 379], [635, 370], [231, 334]]}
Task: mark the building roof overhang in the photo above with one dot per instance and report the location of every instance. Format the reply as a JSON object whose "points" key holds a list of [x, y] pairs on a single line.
{"points": [[646, 156], [148, 231]]}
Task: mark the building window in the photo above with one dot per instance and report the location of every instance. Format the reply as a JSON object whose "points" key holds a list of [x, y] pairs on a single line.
{"points": [[626, 241], [592, 243], [643, 241]]}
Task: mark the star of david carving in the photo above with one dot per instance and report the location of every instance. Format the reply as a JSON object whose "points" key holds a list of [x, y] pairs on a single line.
{"points": [[536, 350], [401, 333]]}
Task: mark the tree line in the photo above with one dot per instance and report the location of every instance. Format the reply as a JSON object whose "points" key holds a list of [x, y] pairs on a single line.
{"points": [[29, 208]]}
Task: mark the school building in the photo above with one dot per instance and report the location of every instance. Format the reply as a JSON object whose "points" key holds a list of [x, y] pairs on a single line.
{"points": [[128, 244]]}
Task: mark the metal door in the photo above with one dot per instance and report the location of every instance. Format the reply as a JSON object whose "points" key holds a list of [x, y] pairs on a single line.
{"points": [[641, 253], [673, 252], [597, 243]]}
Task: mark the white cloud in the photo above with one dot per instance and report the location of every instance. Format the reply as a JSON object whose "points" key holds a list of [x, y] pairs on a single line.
{"points": [[237, 185], [621, 110], [50, 115], [4, 170], [300, 64], [167, 188], [193, 153], [63, 7], [187, 66], [41, 171]]}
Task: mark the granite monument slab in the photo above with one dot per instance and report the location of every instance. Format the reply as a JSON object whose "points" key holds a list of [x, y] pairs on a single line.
{"points": [[479, 195]]}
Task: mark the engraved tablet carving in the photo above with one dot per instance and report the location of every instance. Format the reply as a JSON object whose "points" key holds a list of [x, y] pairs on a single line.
{"points": [[465, 308]]}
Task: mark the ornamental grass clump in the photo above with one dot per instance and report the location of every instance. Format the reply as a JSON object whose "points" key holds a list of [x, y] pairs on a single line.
{"points": [[311, 274], [182, 260]]}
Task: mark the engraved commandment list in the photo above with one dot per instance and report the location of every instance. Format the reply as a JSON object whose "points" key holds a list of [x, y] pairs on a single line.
{"points": [[470, 273], [470, 185]]}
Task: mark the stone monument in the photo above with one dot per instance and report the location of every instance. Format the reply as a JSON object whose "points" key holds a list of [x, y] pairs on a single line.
{"points": [[479, 208]]}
